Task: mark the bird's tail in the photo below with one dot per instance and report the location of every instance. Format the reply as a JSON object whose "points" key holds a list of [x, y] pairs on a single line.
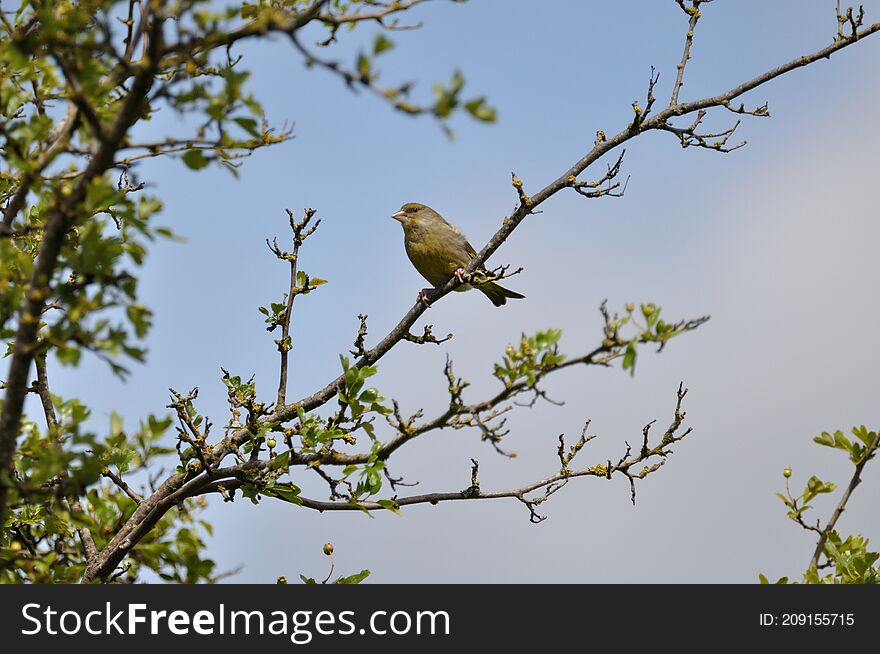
{"points": [[498, 294]]}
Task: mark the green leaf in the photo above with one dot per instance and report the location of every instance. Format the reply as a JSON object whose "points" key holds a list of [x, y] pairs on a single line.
{"points": [[629, 358], [862, 433], [816, 486], [382, 44], [281, 461], [353, 579], [480, 110], [115, 424], [363, 66], [287, 492], [195, 159], [391, 505], [249, 125]]}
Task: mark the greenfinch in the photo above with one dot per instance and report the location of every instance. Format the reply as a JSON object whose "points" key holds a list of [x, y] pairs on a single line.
{"points": [[439, 251]]}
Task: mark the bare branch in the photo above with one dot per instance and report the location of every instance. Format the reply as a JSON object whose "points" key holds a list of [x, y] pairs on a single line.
{"points": [[694, 12], [689, 136], [426, 337], [119, 481], [598, 189]]}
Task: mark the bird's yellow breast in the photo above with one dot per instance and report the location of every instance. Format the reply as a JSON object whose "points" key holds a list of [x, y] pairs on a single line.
{"points": [[435, 252]]}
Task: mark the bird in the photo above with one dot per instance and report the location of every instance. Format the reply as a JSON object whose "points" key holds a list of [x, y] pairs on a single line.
{"points": [[439, 251]]}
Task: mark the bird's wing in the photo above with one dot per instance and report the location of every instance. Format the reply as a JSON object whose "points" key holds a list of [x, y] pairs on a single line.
{"points": [[472, 253]]}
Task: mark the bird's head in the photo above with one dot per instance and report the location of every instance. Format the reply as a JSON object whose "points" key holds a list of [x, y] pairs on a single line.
{"points": [[412, 214]]}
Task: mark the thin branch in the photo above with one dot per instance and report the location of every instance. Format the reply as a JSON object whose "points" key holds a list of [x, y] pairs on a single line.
{"points": [[598, 188], [135, 34], [379, 15], [119, 481], [301, 231], [59, 139], [547, 486], [841, 505], [694, 12], [365, 80], [78, 97]]}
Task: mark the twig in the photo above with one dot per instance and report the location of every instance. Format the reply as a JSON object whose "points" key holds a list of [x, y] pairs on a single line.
{"points": [[119, 481], [694, 12], [841, 505], [301, 231]]}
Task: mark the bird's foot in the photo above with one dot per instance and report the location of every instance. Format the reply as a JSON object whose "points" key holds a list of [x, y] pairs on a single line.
{"points": [[459, 275], [423, 297]]}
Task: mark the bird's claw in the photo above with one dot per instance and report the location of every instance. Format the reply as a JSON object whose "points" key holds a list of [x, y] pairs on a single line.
{"points": [[423, 298], [459, 275]]}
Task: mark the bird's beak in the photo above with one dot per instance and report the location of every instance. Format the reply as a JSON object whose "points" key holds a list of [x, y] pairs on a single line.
{"points": [[398, 216]]}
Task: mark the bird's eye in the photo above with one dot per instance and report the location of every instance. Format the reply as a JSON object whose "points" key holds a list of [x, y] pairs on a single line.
{"points": [[411, 210]]}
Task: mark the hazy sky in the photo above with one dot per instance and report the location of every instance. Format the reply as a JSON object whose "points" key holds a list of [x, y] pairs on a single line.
{"points": [[777, 241]]}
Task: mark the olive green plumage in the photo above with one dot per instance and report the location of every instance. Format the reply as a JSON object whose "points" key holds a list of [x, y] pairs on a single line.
{"points": [[437, 249]]}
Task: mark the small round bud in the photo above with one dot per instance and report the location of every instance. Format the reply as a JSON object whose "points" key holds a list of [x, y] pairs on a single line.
{"points": [[271, 442], [328, 549], [607, 343], [630, 307], [282, 579], [648, 309], [786, 473]]}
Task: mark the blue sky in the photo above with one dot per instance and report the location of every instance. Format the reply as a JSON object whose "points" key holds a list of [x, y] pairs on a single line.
{"points": [[777, 241]]}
